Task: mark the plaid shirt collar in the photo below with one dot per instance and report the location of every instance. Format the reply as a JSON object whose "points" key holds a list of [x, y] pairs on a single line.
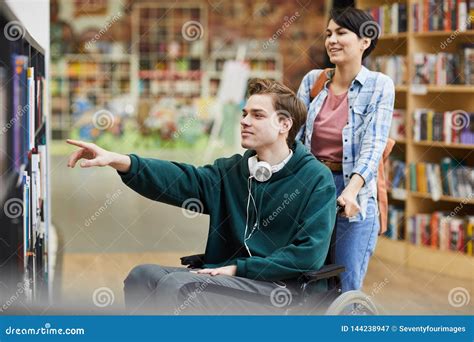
{"points": [[361, 76]]}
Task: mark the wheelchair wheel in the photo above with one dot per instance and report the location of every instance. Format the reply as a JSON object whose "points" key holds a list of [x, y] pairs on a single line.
{"points": [[352, 303]]}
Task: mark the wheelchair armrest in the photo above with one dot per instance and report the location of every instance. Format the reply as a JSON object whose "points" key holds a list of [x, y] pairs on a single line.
{"points": [[325, 272], [193, 261]]}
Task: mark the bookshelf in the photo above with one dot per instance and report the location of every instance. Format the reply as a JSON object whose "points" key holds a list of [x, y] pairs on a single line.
{"points": [[81, 82], [410, 97], [170, 41], [24, 178], [261, 64]]}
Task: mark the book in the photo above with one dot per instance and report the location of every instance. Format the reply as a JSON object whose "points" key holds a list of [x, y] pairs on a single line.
{"points": [[468, 63], [31, 128], [442, 15], [440, 69], [4, 126], [450, 178], [397, 129], [395, 223], [469, 235], [390, 18], [442, 230], [19, 65], [26, 217], [447, 127], [393, 66]]}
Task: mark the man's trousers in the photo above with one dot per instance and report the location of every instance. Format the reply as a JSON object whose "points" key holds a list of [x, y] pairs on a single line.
{"points": [[177, 290]]}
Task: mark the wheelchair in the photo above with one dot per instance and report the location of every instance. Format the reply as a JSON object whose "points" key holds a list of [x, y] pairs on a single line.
{"points": [[330, 301]]}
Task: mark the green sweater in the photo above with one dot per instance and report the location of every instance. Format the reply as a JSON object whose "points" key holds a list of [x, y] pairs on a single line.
{"points": [[296, 210]]}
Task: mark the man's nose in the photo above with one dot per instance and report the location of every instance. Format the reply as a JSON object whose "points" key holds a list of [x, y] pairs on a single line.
{"points": [[245, 121]]}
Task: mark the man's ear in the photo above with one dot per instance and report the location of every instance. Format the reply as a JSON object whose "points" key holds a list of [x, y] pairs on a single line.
{"points": [[286, 124]]}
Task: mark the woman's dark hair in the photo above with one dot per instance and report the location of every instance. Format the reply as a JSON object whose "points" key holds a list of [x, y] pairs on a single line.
{"points": [[359, 22]]}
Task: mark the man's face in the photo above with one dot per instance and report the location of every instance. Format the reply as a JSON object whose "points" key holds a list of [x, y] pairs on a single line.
{"points": [[260, 125]]}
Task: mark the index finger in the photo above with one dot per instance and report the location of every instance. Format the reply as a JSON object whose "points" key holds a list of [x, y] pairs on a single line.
{"points": [[77, 143]]}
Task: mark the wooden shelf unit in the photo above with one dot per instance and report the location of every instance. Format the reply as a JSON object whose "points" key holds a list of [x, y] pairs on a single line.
{"points": [[25, 254], [170, 50], [77, 77], [262, 65], [442, 98]]}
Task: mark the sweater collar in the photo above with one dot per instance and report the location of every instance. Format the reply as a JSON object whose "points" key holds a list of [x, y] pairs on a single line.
{"points": [[298, 150]]}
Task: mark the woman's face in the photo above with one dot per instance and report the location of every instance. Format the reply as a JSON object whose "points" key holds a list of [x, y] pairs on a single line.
{"points": [[344, 46]]}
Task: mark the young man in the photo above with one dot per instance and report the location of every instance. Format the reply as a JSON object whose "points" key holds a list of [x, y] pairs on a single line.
{"points": [[271, 211]]}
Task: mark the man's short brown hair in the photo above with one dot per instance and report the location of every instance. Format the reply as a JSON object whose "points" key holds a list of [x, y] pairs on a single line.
{"points": [[284, 101]]}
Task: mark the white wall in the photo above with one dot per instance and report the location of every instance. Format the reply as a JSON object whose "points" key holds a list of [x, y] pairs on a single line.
{"points": [[34, 15]]}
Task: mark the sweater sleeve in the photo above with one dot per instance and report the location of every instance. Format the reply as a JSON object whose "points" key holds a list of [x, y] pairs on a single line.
{"points": [[178, 184], [308, 249]]}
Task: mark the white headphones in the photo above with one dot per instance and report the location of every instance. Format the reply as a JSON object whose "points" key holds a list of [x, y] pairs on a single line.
{"points": [[262, 172]]}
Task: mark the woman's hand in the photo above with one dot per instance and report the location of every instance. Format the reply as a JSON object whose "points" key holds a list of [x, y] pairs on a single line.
{"points": [[348, 201], [226, 270], [348, 198]]}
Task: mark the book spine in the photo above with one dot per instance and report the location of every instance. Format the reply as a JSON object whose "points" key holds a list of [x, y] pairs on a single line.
{"points": [[31, 108]]}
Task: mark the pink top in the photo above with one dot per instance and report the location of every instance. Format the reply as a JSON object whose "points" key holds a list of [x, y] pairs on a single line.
{"points": [[326, 142]]}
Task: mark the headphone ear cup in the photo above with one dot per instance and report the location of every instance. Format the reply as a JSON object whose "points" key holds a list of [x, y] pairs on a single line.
{"points": [[263, 171], [252, 164], [260, 170]]}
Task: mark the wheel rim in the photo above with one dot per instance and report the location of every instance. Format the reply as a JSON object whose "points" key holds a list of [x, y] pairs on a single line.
{"points": [[352, 303]]}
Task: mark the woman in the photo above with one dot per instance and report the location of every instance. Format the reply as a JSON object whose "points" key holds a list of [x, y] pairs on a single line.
{"points": [[347, 129]]}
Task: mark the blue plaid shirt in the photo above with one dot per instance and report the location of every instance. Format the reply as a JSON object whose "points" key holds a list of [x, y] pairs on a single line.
{"points": [[371, 98]]}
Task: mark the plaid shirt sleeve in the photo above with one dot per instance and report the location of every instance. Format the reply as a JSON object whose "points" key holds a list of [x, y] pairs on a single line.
{"points": [[304, 94], [375, 138]]}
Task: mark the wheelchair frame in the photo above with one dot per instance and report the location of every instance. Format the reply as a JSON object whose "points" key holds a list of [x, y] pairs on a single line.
{"points": [[333, 301]]}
